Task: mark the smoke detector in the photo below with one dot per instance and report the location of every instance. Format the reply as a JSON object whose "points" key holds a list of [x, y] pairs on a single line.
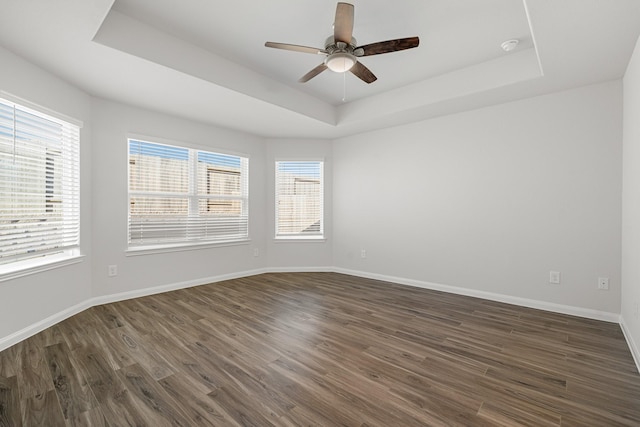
{"points": [[509, 45]]}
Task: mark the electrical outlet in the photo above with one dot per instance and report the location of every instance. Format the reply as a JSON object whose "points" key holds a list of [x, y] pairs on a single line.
{"points": [[112, 270], [363, 253], [603, 283], [256, 252], [554, 277]]}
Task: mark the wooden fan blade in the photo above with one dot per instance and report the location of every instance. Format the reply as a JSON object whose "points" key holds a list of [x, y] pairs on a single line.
{"points": [[363, 73], [389, 46], [296, 48], [311, 74], [343, 25]]}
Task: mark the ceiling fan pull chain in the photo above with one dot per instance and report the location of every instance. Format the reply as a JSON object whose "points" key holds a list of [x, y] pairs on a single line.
{"points": [[344, 87]]}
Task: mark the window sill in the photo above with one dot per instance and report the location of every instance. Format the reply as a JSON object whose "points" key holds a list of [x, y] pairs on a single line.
{"points": [[296, 239], [161, 249], [33, 266]]}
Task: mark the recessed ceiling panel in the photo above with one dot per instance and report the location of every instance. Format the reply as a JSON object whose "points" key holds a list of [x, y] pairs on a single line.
{"points": [[206, 60], [454, 34]]}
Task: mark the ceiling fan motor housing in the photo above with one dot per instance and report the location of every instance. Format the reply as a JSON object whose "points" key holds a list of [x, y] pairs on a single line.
{"points": [[331, 47], [341, 56]]}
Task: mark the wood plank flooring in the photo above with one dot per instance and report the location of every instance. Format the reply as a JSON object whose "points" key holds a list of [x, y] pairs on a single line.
{"points": [[319, 349]]}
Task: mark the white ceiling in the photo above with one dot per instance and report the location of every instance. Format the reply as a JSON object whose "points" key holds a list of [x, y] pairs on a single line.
{"points": [[239, 36], [206, 59]]}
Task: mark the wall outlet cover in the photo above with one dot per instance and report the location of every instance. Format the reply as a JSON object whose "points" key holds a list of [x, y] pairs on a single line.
{"points": [[603, 283], [112, 270]]}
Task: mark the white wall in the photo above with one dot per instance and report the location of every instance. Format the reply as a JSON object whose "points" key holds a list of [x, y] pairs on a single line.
{"points": [[631, 205], [283, 255], [112, 124], [491, 200], [26, 301]]}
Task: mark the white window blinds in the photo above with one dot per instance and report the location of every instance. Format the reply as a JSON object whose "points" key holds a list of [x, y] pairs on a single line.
{"points": [[39, 184], [181, 195], [299, 199]]}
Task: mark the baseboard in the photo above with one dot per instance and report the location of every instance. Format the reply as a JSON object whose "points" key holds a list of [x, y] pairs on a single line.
{"points": [[31, 330], [300, 270], [635, 352], [40, 326], [106, 299], [540, 305]]}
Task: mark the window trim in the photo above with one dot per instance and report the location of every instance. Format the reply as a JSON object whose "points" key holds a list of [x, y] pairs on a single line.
{"points": [[178, 246], [161, 249], [41, 109], [52, 259], [299, 238], [303, 239], [31, 266]]}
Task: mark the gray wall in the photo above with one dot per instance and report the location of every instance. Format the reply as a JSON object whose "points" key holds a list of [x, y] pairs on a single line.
{"points": [[491, 200], [631, 206], [484, 202], [30, 300], [290, 255], [112, 124]]}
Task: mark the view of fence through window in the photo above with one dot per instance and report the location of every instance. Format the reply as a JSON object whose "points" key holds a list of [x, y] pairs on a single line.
{"points": [[39, 183], [299, 198], [181, 194]]}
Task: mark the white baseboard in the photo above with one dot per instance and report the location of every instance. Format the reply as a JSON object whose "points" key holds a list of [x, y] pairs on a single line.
{"points": [[635, 351], [300, 270], [31, 330], [524, 302], [23, 334], [106, 299]]}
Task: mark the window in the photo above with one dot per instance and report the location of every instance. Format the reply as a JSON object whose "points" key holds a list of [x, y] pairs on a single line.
{"points": [[180, 196], [39, 184], [299, 199]]}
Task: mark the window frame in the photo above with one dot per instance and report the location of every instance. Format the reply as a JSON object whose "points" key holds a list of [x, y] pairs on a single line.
{"points": [[300, 237], [68, 188], [192, 197]]}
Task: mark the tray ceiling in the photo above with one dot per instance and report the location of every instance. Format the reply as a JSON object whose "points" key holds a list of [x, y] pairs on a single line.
{"points": [[206, 60]]}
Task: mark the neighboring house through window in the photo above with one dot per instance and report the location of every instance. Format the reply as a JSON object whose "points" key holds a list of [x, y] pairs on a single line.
{"points": [[180, 195], [39, 184], [299, 199]]}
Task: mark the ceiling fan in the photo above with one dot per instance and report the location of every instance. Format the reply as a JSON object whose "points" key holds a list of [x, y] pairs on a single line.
{"points": [[341, 50]]}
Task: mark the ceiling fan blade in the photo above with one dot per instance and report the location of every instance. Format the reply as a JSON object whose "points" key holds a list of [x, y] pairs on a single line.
{"points": [[343, 24], [296, 48], [311, 74], [389, 46], [363, 73]]}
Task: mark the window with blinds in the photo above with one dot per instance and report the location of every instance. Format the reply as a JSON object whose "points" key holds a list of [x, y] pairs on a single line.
{"points": [[299, 199], [179, 195], [39, 184]]}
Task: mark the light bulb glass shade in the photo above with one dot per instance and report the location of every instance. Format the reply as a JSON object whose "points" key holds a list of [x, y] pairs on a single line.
{"points": [[340, 62]]}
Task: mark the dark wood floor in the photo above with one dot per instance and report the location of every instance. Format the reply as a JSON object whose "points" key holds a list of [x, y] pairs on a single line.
{"points": [[319, 349]]}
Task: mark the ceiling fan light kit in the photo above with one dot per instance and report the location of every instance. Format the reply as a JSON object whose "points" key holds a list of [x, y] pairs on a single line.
{"points": [[340, 55], [342, 51], [340, 62]]}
